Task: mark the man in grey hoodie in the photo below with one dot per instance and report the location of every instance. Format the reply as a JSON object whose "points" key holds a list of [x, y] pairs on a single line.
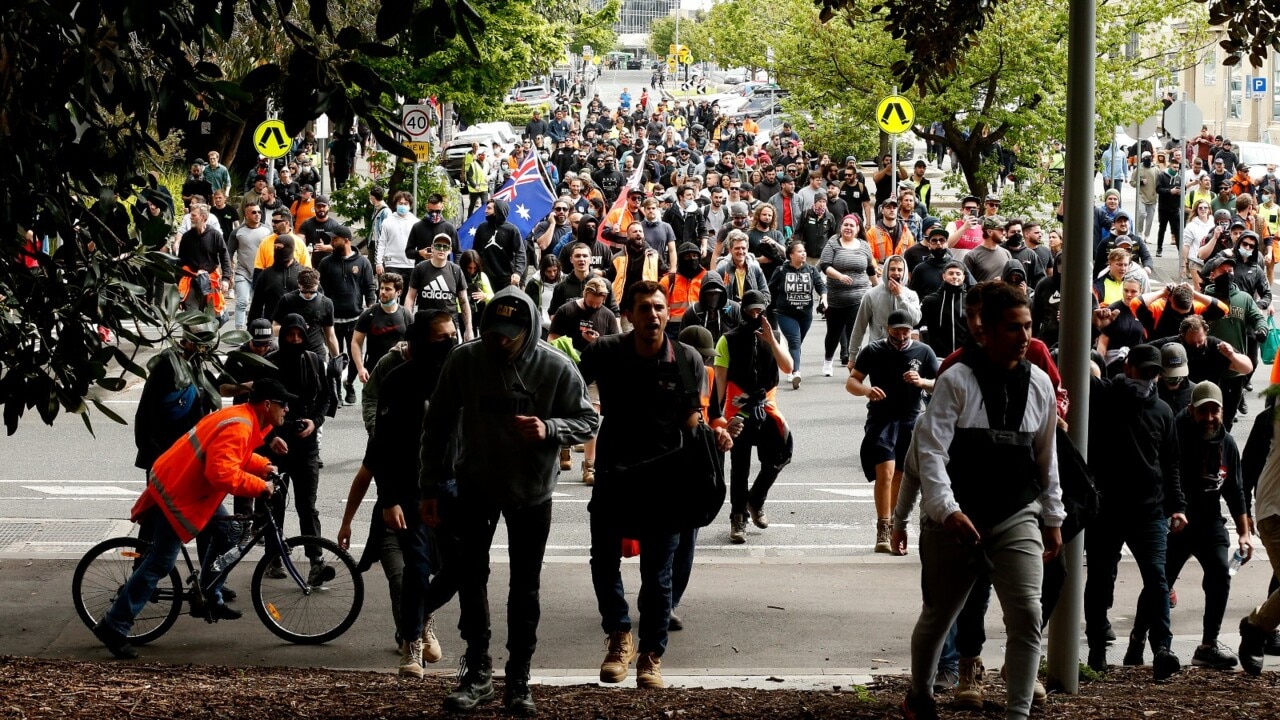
{"points": [[873, 314], [510, 402]]}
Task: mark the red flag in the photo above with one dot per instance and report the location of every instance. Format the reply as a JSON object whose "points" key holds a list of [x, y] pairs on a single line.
{"points": [[618, 204]]}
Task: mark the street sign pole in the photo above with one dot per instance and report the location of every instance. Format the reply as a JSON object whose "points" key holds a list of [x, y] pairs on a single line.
{"points": [[1182, 185], [416, 165], [893, 171]]}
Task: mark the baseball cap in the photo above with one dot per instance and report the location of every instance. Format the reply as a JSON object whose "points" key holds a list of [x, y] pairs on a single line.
{"points": [[1123, 240], [993, 199], [1144, 356], [343, 231], [322, 199], [1173, 361], [700, 339], [1121, 214], [993, 222], [938, 230], [754, 299], [1237, 222], [506, 315], [1216, 262], [900, 319], [1206, 392], [260, 331], [1146, 154], [270, 389], [785, 178], [739, 209]]}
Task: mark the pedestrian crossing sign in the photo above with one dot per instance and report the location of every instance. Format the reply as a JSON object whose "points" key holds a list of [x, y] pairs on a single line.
{"points": [[895, 114], [271, 140]]}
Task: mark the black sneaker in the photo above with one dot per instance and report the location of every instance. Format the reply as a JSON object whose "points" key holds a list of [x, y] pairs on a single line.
{"points": [[320, 574], [1244, 406], [116, 643], [222, 612], [1214, 656], [675, 623], [229, 595], [1253, 641], [1110, 634], [918, 708], [475, 686], [350, 397], [275, 570], [1133, 655], [1098, 659], [1164, 665]]}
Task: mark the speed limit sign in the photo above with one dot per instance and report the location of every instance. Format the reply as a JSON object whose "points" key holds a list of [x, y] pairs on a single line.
{"points": [[416, 120]]}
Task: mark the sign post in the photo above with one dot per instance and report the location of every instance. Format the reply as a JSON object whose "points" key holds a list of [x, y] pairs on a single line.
{"points": [[271, 140], [415, 121], [894, 115]]}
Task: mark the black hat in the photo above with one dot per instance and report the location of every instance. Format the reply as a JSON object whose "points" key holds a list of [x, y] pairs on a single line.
{"points": [[270, 389], [503, 315], [343, 231], [322, 199], [970, 198], [260, 331], [900, 319], [689, 247], [1216, 262], [307, 188], [1237, 221], [1144, 357], [938, 230], [753, 299], [291, 321], [700, 339]]}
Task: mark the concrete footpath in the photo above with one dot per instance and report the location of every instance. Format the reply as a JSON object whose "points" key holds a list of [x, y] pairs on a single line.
{"points": [[773, 623]]}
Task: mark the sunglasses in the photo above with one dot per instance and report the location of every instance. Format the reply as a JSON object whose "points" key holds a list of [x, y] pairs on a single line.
{"points": [[970, 208], [441, 247], [561, 209]]}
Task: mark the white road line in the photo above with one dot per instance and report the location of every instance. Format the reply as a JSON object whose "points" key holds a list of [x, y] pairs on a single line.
{"points": [[78, 482], [95, 490]]}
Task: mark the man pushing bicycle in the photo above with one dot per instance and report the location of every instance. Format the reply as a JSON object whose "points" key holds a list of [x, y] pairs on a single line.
{"points": [[185, 489]]}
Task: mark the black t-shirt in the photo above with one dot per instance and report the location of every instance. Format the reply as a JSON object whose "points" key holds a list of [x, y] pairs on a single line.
{"points": [[883, 367], [1207, 363], [382, 330], [317, 312], [1126, 330], [571, 319], [311, 230], [437, 287]]}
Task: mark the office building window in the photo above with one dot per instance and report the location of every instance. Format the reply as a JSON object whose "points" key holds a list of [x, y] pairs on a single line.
{"points": [[1210, 65]]}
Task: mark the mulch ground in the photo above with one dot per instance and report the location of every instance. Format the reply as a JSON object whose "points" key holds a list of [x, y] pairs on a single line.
{"points": [[105, 691]]}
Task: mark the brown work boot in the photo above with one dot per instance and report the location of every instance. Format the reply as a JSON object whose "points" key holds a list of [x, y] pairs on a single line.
{"points": [[971, 692], [621, 650], [884, 528], [566, 459], [649, 672], [588, 472]]}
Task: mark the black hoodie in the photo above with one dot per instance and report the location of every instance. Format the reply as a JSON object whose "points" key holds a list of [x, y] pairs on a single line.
{"points": [[1135, 451], [1210, 471], [713, 310], [943, 320], [502, 252], [926, 277]]}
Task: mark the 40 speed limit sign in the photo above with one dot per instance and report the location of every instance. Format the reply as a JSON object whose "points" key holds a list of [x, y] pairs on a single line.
{"points": [[416, 120]]}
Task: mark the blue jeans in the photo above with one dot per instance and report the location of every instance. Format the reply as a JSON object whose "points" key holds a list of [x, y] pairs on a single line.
{"points": [[657, 553], [950, 658], [682, 566], [244, 293], [158, 561], [1147, 538], [794, 329], [212, 541]]}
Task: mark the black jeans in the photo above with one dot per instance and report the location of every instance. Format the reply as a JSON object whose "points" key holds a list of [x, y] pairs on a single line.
{"points": [[527, 529], [1206, 540], [415, 546], [1167, 220], [302, 464], [1146, 533], [772, 452], [1232, 389], [344, 330], [657, 553], [839, 331]]}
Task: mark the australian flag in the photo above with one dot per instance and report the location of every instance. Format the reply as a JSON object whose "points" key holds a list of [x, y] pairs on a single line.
{"points": [[525, 192]]}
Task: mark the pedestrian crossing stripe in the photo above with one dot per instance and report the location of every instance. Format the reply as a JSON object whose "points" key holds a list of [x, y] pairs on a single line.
{"points": [[271, 140]]}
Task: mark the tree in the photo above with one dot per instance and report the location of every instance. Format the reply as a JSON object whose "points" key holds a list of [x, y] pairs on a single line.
{"points": [[596, 29], [90, 87]]}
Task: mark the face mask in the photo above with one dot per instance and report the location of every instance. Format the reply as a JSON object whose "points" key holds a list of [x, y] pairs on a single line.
{"points": [[938, 253], [1014, 240], [1141, 388], [281, 258], [688, 267], [1245, 253], [898, 344], [437, 351], [313, 298], [1222, 286], [390, 304], [502, 353], [402, 210], [434, 215], [1266, 198], [754, 323], [1146, 163]]}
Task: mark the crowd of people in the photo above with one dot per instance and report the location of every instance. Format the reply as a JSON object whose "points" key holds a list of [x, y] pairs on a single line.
{"points": [[658, 311]]}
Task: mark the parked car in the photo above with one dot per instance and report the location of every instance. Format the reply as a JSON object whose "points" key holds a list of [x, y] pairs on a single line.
{"points": [[456, 151], [1257, 156], [635, 63], [735, 76], [530, 95]]}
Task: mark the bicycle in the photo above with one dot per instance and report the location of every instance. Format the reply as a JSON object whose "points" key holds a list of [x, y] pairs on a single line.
{"points": [[305, 608]]}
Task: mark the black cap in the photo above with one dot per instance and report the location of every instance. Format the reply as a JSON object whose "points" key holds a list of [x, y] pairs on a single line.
{"points": [[1144, 357], [322, 199], [343, 231], [754, 299], [1216, 262], [270, 389], [1237, 222], [900, 319], [260, 331], [938, 230], [503, 315]]}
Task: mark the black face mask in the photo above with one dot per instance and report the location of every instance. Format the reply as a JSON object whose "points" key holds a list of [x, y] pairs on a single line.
{"points": [[1014, 240], [688, 267], [1222, 286], [436, 352], [280, 260], [938, 253]]}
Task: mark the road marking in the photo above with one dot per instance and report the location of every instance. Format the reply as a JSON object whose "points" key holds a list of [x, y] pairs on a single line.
{"points": [[850, 492], [83, 482], [64, 490]]}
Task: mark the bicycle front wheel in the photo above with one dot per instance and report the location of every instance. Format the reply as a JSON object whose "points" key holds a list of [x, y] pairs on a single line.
{"points": [[101, 575], [324, 607]]}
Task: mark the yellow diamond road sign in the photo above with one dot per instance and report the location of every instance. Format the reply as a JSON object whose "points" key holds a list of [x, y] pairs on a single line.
{"points": [[271, 140], [894, 115]]}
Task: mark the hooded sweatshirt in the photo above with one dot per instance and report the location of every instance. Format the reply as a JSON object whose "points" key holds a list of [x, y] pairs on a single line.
{"points": [[1141, 471], [873, 314], [501, 248], [926, 276], [1210, 471], [942, 317], [713, 310], [477, 398]]}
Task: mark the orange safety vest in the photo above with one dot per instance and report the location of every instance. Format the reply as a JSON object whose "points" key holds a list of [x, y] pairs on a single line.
{"points": [[683, 295], [1156, 308], [650, 271], [185, 286], [189, 481], [882, 246]]}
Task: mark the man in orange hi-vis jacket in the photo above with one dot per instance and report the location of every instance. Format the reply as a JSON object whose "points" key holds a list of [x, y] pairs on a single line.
{"points": [[185, 489]]}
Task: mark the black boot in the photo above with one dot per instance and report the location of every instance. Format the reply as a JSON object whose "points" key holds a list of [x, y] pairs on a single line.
{"points": [[517, 698], [475, 685]]}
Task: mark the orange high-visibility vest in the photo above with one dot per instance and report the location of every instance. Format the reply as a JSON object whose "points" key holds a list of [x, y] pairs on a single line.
{"points": [[683, 295], [190, 480], [650, 271]]}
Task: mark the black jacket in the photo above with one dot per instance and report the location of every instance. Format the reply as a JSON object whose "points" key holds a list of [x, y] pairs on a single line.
{"points": [[350, 283], [1210, 471], [1169, 202], [943, 321], [1251, 278], [501, 248], [1256, 449], [1135, 451], [688, 226]]}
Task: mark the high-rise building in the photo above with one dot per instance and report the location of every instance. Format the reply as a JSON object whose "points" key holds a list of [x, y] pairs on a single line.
{"points": [[638, 15]]}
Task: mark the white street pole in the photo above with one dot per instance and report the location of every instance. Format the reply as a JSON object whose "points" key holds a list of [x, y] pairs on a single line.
{"points": [[893, 167]]}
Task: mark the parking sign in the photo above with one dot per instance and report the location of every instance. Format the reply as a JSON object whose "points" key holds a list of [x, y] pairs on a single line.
{"points": [[1259, 84]]}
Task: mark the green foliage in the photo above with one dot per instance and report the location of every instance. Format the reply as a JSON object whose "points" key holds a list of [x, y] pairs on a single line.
{"points": [[596, 29], [93, 93], [351, 201], [514, 113]]}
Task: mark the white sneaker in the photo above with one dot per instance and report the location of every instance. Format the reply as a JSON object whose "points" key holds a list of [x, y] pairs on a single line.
{"points": [[431, 651], [826, 368], [786, 377], [795, 381]]}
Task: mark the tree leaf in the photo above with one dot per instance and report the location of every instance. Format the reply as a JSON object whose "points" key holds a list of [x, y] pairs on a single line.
{"points": [[114, 384], [260, 78], [249, 358], [235, 337], [393, 16], [102, 408], [319, 14], [349, 38]]}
